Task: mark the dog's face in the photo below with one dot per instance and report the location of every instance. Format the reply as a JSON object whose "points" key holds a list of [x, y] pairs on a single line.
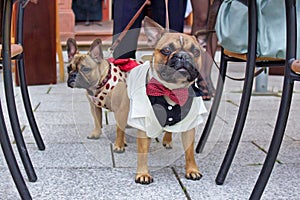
{"points": [[177, 56], [84, 70]]}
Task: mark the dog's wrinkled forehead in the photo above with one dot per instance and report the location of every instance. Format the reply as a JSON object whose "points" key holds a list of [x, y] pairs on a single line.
{"points": [[180, 41], [77, 61]]}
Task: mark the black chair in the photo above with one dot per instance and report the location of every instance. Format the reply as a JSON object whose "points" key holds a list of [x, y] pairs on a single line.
{"points": [[22, 78], [9, 52], [291, 74], [251, 62]]}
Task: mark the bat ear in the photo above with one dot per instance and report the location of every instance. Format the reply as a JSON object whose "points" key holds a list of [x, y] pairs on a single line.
{"points": [[96, 50], [71, 48], [153, 31]]}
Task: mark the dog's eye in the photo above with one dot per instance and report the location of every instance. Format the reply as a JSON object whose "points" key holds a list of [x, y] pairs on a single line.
{"points": [[85, 69], [196, 52], [166, 51]]}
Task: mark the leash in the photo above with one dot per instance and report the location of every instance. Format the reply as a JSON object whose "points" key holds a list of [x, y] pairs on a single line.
{"points": [[167, 17], [239, 79], [123, 33]]}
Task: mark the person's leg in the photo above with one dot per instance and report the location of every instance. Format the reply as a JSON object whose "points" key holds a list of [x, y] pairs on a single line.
{"points": [[211, 50], [208, 41], [176, 14], [1, 11], [124, 10], [176, 10], [200, 13]]}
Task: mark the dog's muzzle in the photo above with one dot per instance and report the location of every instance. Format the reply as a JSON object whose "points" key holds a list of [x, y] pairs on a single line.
{"points": [[184, 63], [71, 79]]}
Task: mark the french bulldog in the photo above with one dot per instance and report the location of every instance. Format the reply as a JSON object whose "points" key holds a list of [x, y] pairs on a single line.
{"points": [[154, 97], [105, 84], [162, 96]]}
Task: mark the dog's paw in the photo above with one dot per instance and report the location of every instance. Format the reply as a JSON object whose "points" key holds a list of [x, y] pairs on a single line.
{"points": [[193, 175], [167, 145], [144, 179], [94, 135], [167, 140], [118, 149]]}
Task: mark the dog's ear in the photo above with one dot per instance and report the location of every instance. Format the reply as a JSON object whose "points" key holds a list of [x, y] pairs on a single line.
{"points": [[71, 48], [153, 31], [96, 50]]}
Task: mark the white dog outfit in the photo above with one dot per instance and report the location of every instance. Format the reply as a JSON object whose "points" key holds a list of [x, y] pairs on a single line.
{"points": [[155, 116]]}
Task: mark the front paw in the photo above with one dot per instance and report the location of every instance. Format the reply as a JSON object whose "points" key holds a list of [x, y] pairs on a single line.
{"points": [[167, 145], [193, 175], [119, 149], [144, 178], [95, 134], [167, 140]]}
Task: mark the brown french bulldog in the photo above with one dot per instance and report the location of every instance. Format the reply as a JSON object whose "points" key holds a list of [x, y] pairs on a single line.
{"points": [[176, 63], [155, 97], [105, 85]]}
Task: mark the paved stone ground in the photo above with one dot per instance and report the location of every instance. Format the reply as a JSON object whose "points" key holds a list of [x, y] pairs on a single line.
{"points": [[73, 167]]}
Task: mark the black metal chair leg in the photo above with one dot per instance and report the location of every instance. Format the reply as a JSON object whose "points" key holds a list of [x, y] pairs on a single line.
{"points": [[247, 90], [9, 93], [27, 104], [215, 106], [239, 125], [285, 103], [276, 141], [11, 160], [23, 84]]}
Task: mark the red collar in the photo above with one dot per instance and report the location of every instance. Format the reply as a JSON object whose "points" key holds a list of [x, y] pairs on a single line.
{"points": [[125, 64], [105, 80]]}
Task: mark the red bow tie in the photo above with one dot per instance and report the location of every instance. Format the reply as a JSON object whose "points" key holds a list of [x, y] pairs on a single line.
{"points": [[155, 88]]}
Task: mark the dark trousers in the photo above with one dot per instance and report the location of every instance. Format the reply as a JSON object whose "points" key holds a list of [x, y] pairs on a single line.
{"points": [[1, 13], [124, 10]]}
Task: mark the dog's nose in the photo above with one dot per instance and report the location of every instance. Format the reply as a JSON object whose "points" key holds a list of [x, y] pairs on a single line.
{"points": [[71, 79], [182, 55], [181, 59], [72, 75]]}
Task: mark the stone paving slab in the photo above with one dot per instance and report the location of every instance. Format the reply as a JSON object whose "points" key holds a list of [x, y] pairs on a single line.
{"points": [[289, 151], [215, 155], [92, 183], [283, 184]]}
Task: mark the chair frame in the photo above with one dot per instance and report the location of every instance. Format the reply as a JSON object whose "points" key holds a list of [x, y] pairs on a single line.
{"points": [[251, 63], [11, 105], [287, 92], [9, 93], [288, 84], [4, 138], [23, 83]]}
